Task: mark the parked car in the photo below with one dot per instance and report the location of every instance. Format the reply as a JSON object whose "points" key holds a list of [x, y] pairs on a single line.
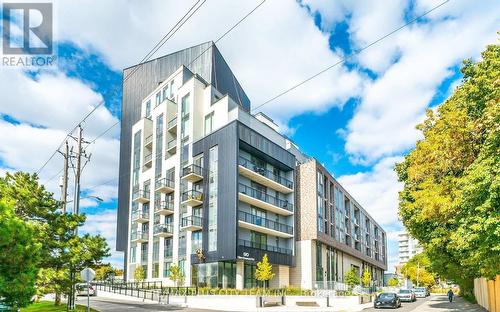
{"points": [[387, 300], [407, 295], [82, 289], [420, 292]]}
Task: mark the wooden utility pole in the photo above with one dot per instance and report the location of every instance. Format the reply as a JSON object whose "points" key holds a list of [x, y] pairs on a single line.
{"points": [[64, 184]]}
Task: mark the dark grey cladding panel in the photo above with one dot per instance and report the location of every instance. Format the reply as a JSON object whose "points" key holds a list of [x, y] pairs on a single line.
{"points": [[142, 80], [226, 82], [227, 141], [257, 144]]}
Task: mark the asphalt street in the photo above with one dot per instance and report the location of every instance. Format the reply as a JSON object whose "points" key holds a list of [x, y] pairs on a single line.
{"points": [[436, 303]]}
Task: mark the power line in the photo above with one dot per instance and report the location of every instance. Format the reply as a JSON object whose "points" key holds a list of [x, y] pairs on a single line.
{"points": [[104, 132], [350, 56], [157, 46]]}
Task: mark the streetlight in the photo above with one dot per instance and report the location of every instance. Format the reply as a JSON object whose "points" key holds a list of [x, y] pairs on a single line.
{"points": [[90, 196]]}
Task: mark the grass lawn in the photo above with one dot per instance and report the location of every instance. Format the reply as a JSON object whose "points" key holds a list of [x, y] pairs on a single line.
{"points": [[48, 306]]}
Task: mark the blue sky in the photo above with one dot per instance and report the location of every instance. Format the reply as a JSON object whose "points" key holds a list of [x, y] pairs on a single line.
{"points": [[358, 119]]}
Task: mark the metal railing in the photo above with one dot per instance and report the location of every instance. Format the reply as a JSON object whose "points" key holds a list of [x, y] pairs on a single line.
{"points": [[164, 182], [172, 123], [163, 228], [148, 139], [264, 222], [246, 243], [257, 194], [164, 205], [140, 214], [140, 193], [192, 169], [138, 235], [192, 220], [148, 158], [192, 194], [264, 172]]}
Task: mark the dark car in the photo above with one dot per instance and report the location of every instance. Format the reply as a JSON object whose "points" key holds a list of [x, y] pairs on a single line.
{"points": [[387, 300]]}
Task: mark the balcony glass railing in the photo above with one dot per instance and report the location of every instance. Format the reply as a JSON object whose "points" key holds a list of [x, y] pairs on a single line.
{"points": [[164, 182], [192, 169], [192, 195], [164, 205], [264, 222], [260, 195], [171, 144], [148, 140], [264, 172], [192, 220], [139, 235], [140, 215], [246, 243], [140, 193], [148, 158], [172, 123], [163, 228]]}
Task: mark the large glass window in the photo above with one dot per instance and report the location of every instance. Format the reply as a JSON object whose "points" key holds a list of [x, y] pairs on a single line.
{"points": [[209, 123], [249, 276], [196, 240], [133, 251], [319, 262], [158, 98], [212, 200], [258, 240], [185, 106], [147, 113]]}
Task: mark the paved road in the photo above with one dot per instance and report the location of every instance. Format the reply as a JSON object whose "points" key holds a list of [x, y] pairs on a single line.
{"points": [[437, 303], [113, 305]]}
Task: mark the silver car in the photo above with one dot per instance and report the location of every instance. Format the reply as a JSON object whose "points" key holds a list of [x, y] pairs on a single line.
{"points": [[82, 289], [407, 295], [420, 292]]}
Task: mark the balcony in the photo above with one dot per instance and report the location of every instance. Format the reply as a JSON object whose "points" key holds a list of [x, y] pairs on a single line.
{"points": [[172, 125], [139, 237], [163, 230], [265, 201], [264, 225], [192, 223], [141, 196], [192, 173], [140, 216], [263, 176], [172, 146], [148, 141], [245, 243], [192, 198], [165, 186], [164, 207], [148, 160]]}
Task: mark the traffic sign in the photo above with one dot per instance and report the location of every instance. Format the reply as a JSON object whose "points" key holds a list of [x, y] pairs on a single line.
{"points": [[87, 274]]}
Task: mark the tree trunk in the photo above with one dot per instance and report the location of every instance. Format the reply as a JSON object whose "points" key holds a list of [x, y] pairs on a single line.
{"points": [[58, 298]]}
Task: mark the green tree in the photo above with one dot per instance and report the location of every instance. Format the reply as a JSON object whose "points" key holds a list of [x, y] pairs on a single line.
{"points": [[450, 201], [417, 270], [104, 272], [176, 274], [366, 278], [61, 250], [264, 271], [352, 278], [139, 274], [19, 256], [393, 282]]}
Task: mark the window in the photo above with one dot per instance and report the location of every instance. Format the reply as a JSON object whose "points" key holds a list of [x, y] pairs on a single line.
{"points": [[185, 105], [144, 252], [196, 241], [148, 109], [258, 240], [319, 262], [212, 199], [158, 98], [166, 91], [156, 270], [209, 123], [133, 251], [166, 269]]}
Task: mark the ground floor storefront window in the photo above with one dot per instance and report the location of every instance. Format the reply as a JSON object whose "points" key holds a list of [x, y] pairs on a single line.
{"points": [[214, 274]]}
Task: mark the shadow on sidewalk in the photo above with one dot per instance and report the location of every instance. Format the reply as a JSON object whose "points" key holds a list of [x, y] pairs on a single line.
{"points": [[458, 305]]}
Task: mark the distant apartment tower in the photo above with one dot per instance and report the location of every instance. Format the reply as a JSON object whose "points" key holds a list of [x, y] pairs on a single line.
{"points": [[210, 187], [408, 247], [334, 233]]}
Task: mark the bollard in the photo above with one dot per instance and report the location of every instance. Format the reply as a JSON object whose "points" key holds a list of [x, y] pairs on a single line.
{"points": [[327, 300]]}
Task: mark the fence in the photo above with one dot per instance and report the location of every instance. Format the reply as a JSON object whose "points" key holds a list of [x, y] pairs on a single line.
{"points": [[342, 288], [487, 293]]}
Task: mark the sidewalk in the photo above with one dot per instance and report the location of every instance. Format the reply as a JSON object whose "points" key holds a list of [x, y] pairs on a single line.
{"points": [[440, 303]]}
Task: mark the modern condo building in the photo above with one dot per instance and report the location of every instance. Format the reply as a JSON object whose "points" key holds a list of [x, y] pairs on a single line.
{"points": [[204, 184]]}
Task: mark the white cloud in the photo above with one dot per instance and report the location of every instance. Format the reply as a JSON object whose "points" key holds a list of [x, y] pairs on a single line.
{"points": [[104, 223], [376, 190]]}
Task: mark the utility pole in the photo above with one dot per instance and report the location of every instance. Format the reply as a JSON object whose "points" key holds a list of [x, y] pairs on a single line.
{"points": [[64, 182]]}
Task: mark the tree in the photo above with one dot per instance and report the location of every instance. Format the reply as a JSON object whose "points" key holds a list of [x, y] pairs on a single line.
{"points": [[450, 200], [19, 256], [176, 274], [264, 271], [417, 270], [105, 272], [352, 278], [393, 282], [61, 250], [366, 278], [139, 274]]}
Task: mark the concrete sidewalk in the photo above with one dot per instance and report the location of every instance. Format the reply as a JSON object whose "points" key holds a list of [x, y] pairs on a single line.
{"points": [[440, 303]]}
